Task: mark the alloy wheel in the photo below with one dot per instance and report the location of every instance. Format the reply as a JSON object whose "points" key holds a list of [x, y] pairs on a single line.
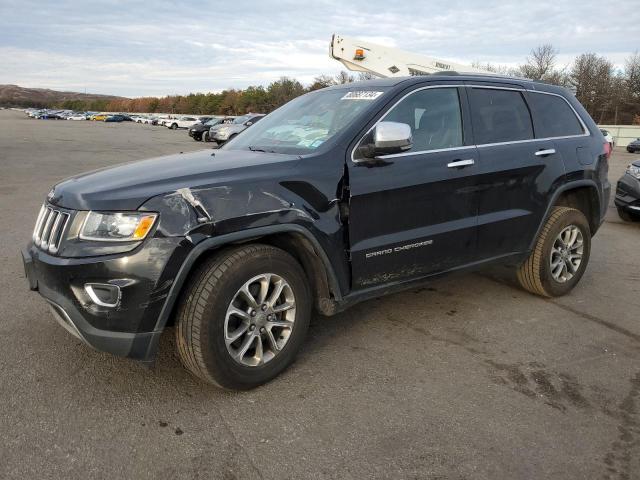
{"points": [[259, 320], [566, 254]]}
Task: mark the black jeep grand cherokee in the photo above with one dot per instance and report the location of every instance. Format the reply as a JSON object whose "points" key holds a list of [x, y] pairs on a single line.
{"points": [[341, 195]]}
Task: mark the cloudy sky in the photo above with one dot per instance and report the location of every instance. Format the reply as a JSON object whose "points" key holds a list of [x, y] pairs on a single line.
{"points": [[163, 47]]}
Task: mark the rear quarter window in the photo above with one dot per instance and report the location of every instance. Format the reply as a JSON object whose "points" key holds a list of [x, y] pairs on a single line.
{"points": [[554, 117], [499, 116]]}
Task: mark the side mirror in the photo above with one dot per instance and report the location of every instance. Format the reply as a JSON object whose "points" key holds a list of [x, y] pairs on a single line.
{"points": [[391, 137], [249, 123]]}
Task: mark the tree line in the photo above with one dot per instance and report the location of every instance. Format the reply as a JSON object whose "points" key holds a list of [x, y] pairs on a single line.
{"points": [[609, 95], [257, 99]]}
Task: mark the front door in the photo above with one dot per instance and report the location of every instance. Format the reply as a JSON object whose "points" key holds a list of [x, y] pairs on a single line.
{"points": [[414, 214]]}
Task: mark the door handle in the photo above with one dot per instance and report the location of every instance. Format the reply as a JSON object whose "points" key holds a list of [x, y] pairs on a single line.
{"points": [[461, 163], [544, 153]]}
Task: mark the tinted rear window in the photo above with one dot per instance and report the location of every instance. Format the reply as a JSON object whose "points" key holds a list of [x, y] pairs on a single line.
{"points": [[554, 116], [499, 116]]}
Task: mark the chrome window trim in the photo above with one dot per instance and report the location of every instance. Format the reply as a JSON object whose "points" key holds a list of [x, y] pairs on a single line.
{"points": [[586, 131], [406, 154]]}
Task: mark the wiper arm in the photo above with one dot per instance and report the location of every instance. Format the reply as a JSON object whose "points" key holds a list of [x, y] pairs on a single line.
{"points": [[258, 149]]}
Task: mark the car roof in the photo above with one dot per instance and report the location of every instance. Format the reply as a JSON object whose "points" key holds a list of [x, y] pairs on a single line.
{"points": [[453, 77]]}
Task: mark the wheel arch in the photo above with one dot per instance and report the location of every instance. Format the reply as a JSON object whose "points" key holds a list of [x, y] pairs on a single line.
{"points": [[581, 195], [294, 239]]}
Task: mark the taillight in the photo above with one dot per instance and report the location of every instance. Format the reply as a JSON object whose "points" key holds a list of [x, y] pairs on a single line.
{"points": [[607, 149]]}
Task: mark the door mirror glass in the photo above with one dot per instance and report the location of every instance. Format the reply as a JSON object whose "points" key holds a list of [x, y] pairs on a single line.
{"points": [[249, 123], [391, 137]]}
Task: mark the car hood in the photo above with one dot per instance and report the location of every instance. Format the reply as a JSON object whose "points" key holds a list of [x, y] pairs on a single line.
{"points": [[127, 186]]}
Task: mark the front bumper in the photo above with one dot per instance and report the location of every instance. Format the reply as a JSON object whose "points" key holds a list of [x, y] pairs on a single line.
{"points": [[221, 136], [144, 276], [628, 193]]}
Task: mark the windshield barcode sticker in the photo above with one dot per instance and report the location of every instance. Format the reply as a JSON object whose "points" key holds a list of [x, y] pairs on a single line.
{"points": [[361, 95]]}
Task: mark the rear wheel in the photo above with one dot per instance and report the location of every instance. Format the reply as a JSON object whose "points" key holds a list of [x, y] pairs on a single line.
{"points": [[560, 255], [174, 126], [243, 317]]}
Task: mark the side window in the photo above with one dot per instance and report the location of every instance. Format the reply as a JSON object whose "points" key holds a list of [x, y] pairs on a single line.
{"points": [[434, 117], [554, 117], [499, 116]]}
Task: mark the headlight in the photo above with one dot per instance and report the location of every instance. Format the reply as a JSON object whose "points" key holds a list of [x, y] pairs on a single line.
{"points": [[634, 171], [117, 227]]}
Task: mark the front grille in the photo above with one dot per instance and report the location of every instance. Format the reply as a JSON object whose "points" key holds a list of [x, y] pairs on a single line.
{"points": [[50, 228]]}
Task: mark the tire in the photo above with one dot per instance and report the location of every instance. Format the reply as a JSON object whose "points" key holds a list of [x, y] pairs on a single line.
{"points": [[535, 274], [627, 216], [205, 136], [174, 126], [214, 288]]}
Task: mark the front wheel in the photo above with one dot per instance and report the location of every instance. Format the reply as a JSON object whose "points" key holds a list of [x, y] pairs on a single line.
{"points": [[205, 136], [560, 254], [243, 316], [174, 126]]}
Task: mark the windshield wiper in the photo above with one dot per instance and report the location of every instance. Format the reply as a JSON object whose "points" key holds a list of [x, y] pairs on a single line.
{"points": [[258, 149]]}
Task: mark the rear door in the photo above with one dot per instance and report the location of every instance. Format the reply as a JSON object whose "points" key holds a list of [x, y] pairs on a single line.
{"points": [[516, 170], [414, 213], [555, 119]]}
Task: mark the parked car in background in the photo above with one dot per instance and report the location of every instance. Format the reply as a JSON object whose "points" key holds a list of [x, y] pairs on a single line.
{"points": [[100, 117], [200, 131], [49, 116], [138, 118], [163, 119], [228, 131], [627, 198], [182, 122], [634, 146], [77, 116], [118, 118], [608, 137]]}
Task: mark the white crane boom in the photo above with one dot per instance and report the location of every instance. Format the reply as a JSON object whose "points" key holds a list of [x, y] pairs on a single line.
{"points": [[362, 56]]}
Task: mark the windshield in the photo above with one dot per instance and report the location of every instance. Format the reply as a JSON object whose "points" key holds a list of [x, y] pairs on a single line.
{"points": [[213, 121], [240, 120], [305, 123]]}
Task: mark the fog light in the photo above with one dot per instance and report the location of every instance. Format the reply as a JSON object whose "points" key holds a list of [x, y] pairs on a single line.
{"points": [[103, 294]]}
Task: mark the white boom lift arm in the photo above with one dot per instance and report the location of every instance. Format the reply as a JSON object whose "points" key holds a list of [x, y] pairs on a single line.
{"points": [[361, 56]]}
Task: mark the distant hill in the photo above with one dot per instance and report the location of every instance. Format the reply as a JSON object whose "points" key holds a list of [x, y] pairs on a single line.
{"points": [[14, 95]]}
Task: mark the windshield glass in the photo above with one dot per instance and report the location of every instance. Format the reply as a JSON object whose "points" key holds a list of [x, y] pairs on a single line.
{"points": [[241, 119], [305, 123], [213, 121]]}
